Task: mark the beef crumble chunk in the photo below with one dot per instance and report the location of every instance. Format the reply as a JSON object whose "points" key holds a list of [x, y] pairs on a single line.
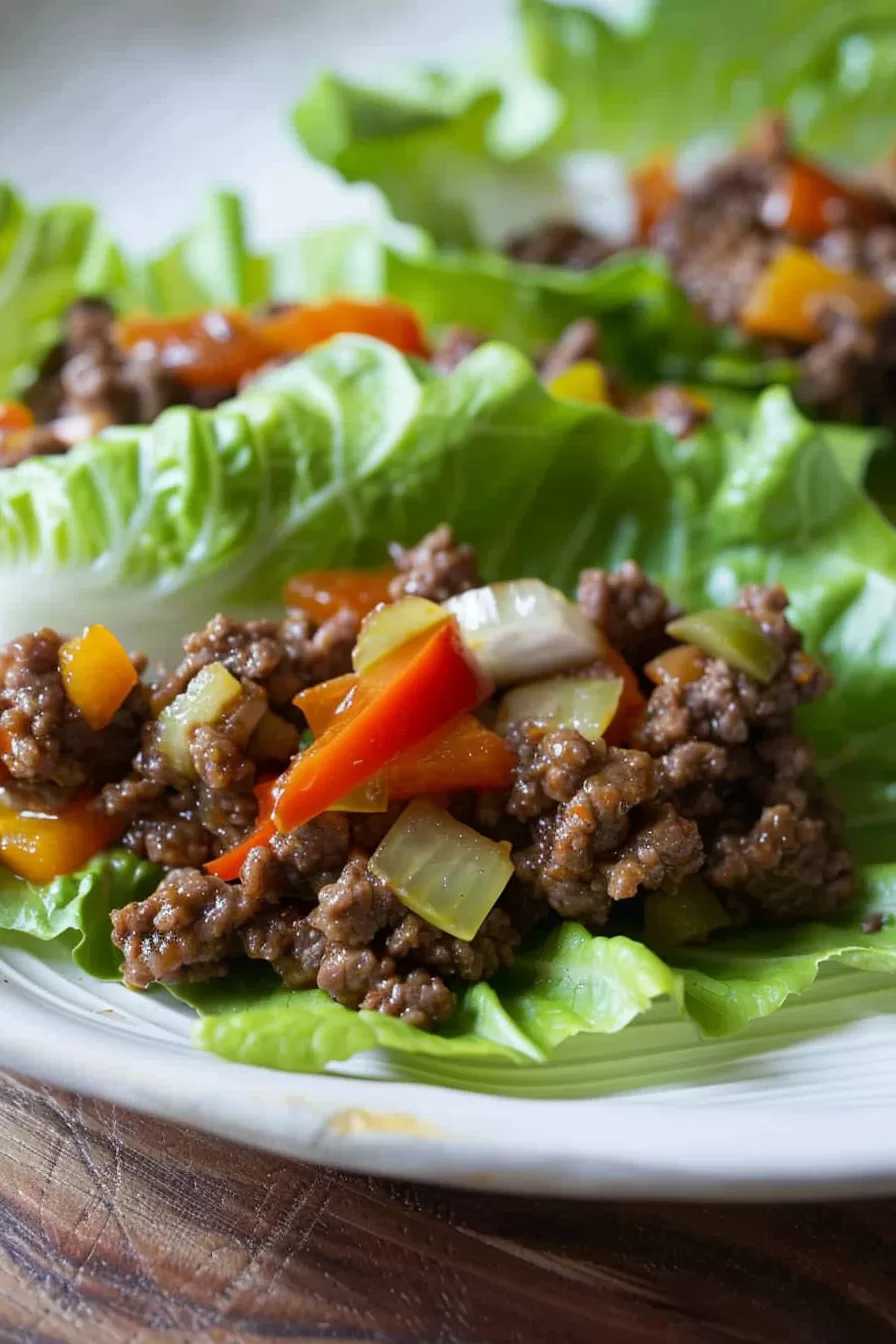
{"points": [[352, 910], [438, 567], [420, 998], [184, 930], [604, 844], [44, 739], [561, 244], [280, 657], [284, 937], [632, 611], [551, 764], [480, 958], [784, 867]]}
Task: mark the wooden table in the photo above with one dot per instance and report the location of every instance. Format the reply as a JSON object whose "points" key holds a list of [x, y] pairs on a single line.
{"points": [[115, 1228]]}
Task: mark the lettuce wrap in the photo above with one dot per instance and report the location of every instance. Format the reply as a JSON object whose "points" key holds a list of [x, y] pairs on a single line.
{"points": [[354, 445]]}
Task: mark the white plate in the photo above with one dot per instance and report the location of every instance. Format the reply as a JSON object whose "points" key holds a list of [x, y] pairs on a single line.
{"points": [[802, 1106], [184, 93]]}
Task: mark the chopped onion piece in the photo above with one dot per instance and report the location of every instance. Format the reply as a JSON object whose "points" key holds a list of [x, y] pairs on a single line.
{"points": [[523, 629], [442, 870], [274, 739], [688, 915], [584, 703], [732, 636], [209, 694], [392, 624]]}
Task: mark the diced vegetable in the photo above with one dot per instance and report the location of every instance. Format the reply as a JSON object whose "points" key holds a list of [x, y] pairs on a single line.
{"points": [[806, 201], [787, 299], [212, 691], [442, 870], [393, 624], [732, 636], [655, 188], [584, 703], [463, 755], [404, 698], [213, 349], [678, 666], [275, 739], [40, 846], [323, 592], [319, 703], [523, 629], [585, 381], [688, 915], [97, 674], [371, 796], [299, 328], [13, 415]]}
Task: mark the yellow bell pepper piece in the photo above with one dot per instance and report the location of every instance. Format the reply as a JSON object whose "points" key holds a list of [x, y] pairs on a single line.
{"points": [[585, 381], [97, 674], [40, 847]]}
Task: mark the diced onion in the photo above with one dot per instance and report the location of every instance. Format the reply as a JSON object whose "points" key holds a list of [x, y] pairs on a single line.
{"points": [[732, 636], [584, 703], [392, 624], [444, 871], [688, 915], [274, 739], [523, 629], [209, 694]]}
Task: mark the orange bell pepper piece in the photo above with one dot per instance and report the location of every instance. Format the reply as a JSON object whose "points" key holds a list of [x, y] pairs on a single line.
{"points": [[680, 665], [323, 592], [462, 755], [787, 298], [213, 349], [40, 847], [97, 674], [319, 703], [654, 188], [299, 328], [13, 415], [632, 703], [806, 201]]}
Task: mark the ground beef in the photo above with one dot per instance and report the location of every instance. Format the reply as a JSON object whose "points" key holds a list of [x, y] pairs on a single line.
{"points": [[89, 374], [420, 998], [285, 937], [437, 567], [561, 244], [44, 739], [550, 766], [173, 839], [714, 237], [320, 846], [851, 373], [784, 867], [662, 849], [565, 865], [632, 611], [580, 340], [415, 939], [183, 931], [348, 974], [453, 346], [352, 910], [280, 657]]}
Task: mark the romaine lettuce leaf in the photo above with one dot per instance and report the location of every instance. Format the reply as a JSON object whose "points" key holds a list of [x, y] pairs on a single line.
{"points": [[350, 447], [830, 66]]}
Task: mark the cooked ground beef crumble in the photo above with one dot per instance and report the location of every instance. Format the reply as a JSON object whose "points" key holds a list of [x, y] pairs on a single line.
{"points": [[712, 780]]}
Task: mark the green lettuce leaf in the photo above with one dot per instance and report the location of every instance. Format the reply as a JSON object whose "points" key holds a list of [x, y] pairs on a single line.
{"points": [[352, 446], [457, 156], [633, 92]]}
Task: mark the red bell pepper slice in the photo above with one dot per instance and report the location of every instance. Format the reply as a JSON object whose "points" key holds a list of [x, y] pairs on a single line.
{"points": [[14, 415], [407, 696]]}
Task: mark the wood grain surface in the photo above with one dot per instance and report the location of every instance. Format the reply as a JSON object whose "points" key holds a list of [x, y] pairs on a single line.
{"points": [[116, 1228]]}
